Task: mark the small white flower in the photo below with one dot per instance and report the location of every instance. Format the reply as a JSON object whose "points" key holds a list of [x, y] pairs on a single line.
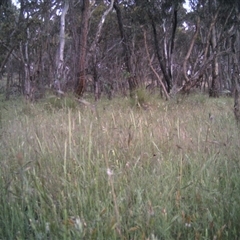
{"points": [[109, 172]]}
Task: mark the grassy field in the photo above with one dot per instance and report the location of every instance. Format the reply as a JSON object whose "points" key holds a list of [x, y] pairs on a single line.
{"points": [[119, 172]]}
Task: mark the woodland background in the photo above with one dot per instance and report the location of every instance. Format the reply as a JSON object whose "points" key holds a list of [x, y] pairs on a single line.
{"points": [[111, 47]]}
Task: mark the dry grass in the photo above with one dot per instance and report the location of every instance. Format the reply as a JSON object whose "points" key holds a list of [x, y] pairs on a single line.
{"points": [[120, 172]]}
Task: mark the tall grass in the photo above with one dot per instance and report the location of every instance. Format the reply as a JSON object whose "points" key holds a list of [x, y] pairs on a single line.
{"points": [[170, 172]]}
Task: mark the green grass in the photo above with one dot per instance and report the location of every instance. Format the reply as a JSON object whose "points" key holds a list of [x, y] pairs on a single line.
{"points": [[120, 172]]}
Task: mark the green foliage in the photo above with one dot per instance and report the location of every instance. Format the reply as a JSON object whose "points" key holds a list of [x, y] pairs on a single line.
{"points": [[167, 173]]}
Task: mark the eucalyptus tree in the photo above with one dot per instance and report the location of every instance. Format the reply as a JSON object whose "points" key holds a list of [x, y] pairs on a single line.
{"points": [[163, 18], [94, 49], [209, 47], [110, 68], [38, 44], [88, 55], [29, 42], [132, 17], [60, 66], [127, 51]]}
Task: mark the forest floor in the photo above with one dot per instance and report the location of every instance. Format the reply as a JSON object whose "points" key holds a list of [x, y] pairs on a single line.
{"points": [[114, 171]]}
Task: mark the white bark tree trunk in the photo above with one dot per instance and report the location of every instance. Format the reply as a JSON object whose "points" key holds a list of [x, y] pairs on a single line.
{"points": [[214, 89], [93, 50], [60, 61]]}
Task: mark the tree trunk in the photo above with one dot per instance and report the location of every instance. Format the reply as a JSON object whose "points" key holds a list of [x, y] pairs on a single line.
{"points": [[93, 50], [172, 39], [165, 54], [159, 57], [24, 52], [60, 63], [236, 51], [81, 84], [132, 80], [214, 89]]}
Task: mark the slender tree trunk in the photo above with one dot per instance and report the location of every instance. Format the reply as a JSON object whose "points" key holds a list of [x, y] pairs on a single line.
{"points": [[62, 32], [214, 89], [75, 42], [24, 48], [236, 51], [162, 63], [93, 51], [81, 84], [132, 80], [60, 62], [172, 40], [165, 54]]}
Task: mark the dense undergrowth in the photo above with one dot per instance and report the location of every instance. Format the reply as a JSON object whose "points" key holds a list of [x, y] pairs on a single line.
{"points": [[115, 171]]}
